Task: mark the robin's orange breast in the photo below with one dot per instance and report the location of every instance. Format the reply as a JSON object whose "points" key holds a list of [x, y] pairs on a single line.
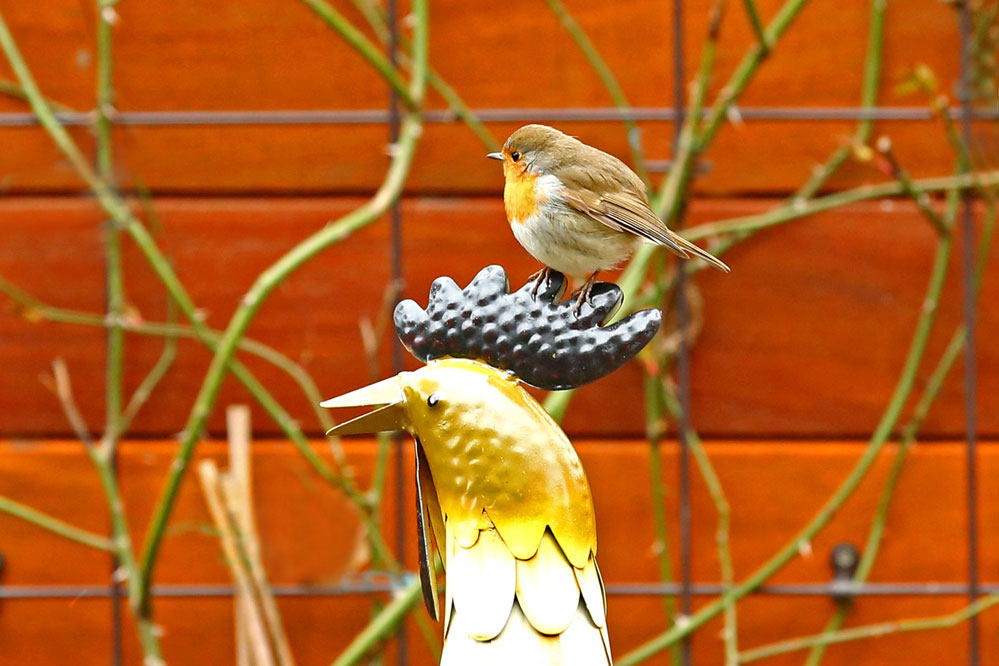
{"points": [[522, 197]]}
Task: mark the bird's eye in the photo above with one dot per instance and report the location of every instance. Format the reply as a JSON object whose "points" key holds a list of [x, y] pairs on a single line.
{"points": [[433, 400], [515, 156]]}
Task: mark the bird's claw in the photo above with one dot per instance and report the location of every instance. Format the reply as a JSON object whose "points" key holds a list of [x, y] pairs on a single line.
{"points": [[539, 279], [582, 295]]}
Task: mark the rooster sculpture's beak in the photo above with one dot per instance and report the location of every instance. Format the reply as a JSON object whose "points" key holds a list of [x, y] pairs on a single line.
{"points": [[386, 396]]}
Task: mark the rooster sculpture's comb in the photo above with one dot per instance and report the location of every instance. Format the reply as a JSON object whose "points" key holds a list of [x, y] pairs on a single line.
{"points": [[538, 338]]}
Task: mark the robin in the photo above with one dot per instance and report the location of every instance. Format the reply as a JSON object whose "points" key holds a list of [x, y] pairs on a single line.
{"points": [[577, 209]]}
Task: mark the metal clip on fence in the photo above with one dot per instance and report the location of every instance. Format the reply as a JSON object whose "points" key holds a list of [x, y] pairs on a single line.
{"points": [[844, 558]]}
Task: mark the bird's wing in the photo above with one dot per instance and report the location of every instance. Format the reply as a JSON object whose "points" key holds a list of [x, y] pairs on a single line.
{"points": [[621, 207]]}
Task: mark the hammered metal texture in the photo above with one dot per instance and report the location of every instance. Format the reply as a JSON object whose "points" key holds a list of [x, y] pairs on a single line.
{"points": [[538, 338]]}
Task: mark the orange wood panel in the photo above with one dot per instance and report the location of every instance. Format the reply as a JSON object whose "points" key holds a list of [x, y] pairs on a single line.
{"points": [[307, 535], [269, 54], [273, 54], [54, 631], [758, 157], [805, 338]]}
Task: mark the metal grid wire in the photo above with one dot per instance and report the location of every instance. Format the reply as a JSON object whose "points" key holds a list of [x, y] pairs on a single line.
{"points": [[685, 589]]}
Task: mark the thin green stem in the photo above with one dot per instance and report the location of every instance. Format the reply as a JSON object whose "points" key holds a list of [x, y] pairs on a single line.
{"points": [[868, 100], [871, 631], [793, 547], [105, 90], [103, 457], [740, 228], [269, 279], [750, 223], [121, 540], [240, 321], [365, 48], [376, 17], [12, 89], [634, 274], [382, 626], [743, 74], [757, 25], [722, 541], [659, 393], [911, 429], [654, 429], [33, 310], [120, 213], [54, 525], [921, 199], [671, 198], [114, 278], [152, 379], [610, 83]]}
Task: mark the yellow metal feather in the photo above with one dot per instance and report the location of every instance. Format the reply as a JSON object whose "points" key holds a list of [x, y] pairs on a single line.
{"points": [[592, 589], [547, 589], [483, 579]]}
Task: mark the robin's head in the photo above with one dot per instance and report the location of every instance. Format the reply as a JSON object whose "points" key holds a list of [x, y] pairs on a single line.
{"points": [[538, 149]]}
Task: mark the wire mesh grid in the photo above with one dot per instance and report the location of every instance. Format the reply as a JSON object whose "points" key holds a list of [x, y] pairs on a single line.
{"points": [[685, 589]]}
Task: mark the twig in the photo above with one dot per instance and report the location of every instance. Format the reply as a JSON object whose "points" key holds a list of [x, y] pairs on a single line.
{"points": [[722, 541], [12, 89], [273, 276], [609, 81], [871, 631], [654, 429], [730, 93], [383, 624], [152, 379], [62, 387], [105, 89], [376, 17], [121, 540], [876, 531], [672, 195], [783, 214], [54, 525], [740, 228], [227, 345], [754, 20], [365, 48], [239, 432], [922, 199], [211, 489], [744, 72], [114, 280], [792, 548], [237, 494], [32, 309], [868, 99], [940, 107], [120, 213], [910, 431]]}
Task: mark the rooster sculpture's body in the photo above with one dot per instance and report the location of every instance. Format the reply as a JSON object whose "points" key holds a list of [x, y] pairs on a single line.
{"points": [[501, 495], [509, 508]]}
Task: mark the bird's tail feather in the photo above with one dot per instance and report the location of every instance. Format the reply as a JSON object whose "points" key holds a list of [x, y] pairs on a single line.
{"points": [[685, 249]]}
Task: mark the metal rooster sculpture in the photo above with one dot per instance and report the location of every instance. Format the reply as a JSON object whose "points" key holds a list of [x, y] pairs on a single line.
{"points": [[501, 494]]}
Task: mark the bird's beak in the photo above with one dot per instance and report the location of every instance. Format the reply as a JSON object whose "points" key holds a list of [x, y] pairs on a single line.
{"points": [[495, 156], [386, 395]]}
